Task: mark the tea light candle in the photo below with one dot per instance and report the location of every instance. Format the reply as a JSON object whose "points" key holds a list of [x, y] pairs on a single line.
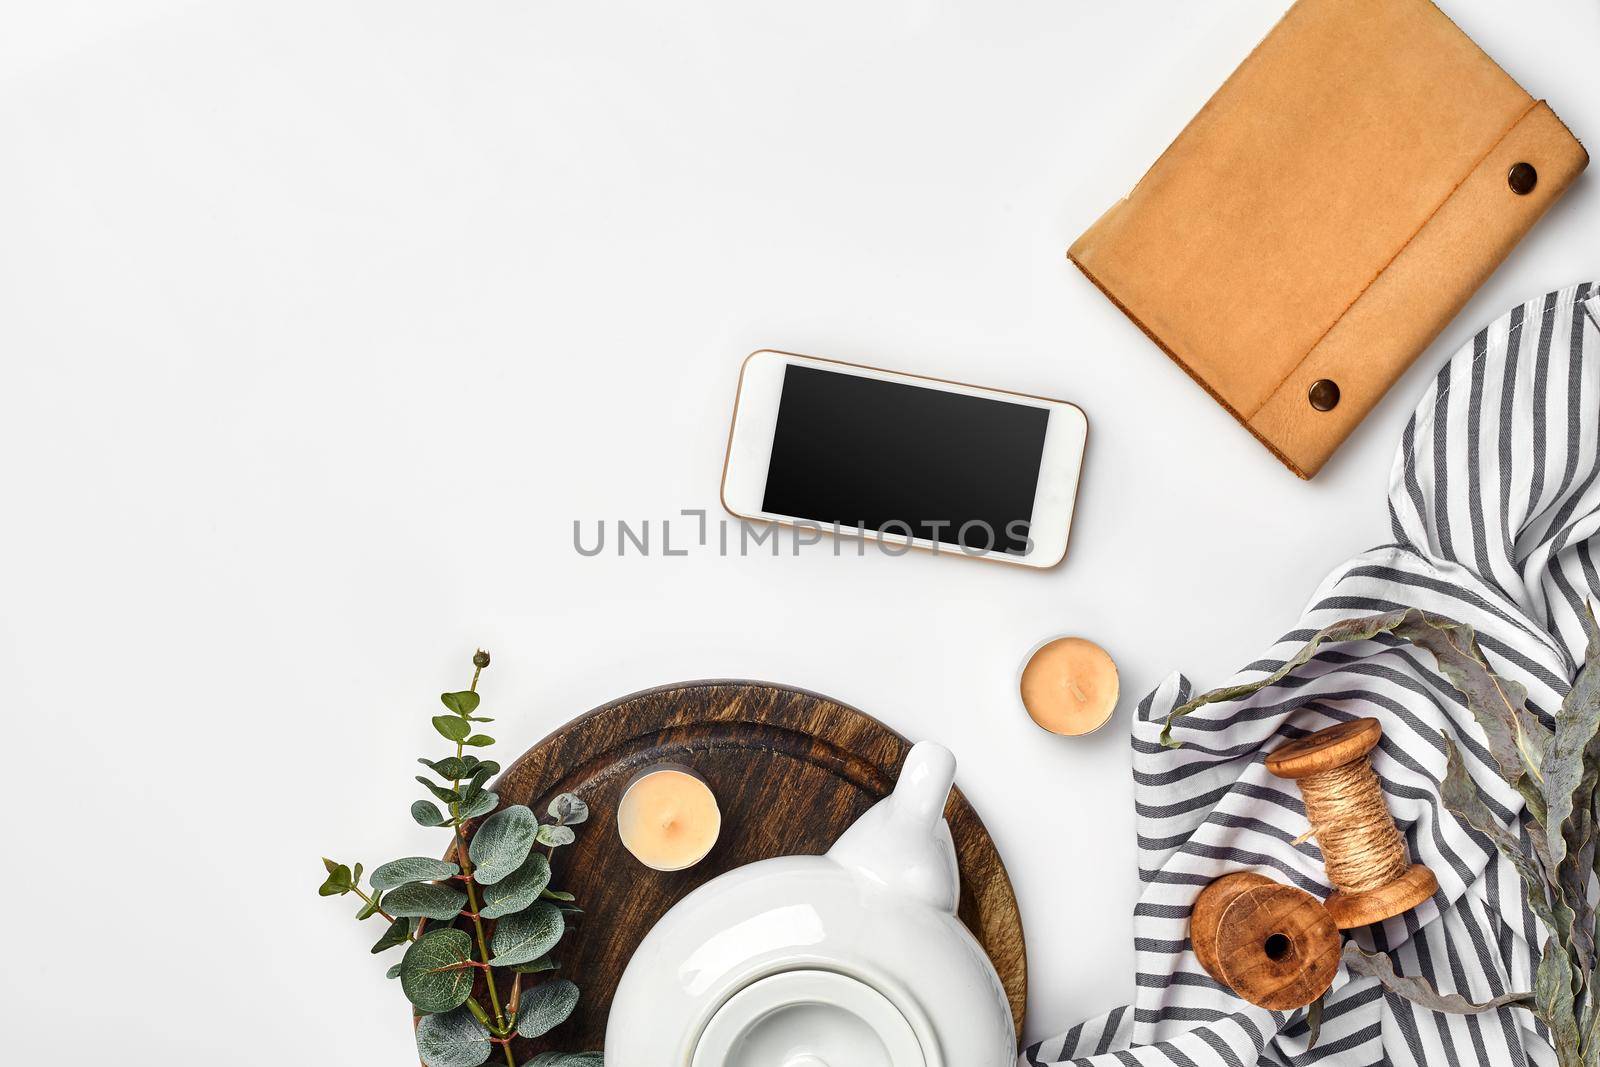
{"points": [[1069, 686], [668, 818]]}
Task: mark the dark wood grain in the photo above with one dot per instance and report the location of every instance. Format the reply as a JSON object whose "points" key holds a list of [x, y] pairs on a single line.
{"points": [[790, 769]]}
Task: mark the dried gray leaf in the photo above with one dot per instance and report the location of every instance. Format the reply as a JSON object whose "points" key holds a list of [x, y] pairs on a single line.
{"points": [[1419, 990]]}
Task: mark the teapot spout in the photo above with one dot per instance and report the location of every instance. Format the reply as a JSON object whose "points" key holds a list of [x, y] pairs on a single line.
{"points": [[903, 843]]}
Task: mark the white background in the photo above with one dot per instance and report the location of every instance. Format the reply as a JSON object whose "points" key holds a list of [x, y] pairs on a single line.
{"points": [[321, 323]]}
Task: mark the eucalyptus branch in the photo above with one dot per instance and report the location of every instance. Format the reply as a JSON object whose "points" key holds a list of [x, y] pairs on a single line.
{"points": [[504, 880]]}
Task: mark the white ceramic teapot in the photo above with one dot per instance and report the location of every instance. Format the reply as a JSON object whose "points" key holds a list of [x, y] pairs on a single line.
{"points": [[852, 959]]}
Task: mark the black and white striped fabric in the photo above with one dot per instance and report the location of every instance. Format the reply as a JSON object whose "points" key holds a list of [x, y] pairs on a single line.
{"points": [[1495, 506]]}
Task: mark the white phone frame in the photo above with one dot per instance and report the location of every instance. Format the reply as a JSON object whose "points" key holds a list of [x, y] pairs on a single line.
{"points": [[755, 419]]}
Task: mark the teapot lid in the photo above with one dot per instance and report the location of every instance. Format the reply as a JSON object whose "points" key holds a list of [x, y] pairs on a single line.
{"points": [[809, 1018]]}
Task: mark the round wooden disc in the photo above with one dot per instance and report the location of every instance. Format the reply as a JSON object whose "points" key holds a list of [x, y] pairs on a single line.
{"points": [[1350, 910], [791, 770], [1206, 916], [1325, 749], [1278, 947]]}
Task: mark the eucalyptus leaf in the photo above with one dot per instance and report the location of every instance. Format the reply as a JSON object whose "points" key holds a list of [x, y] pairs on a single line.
{"points": [[397, 873], [337, 883], [556, 836], [557, 894], [447, 795], [451, 727], [539, 966], [478, 741], [568, 810], [436, 973], [370, 907], [546, 1006], [427, 813], [451, 768], [392, 972], [527, 935], [502, 843], [399, 933], [454, 1039], [567, 1059], [518, 890], [463, 703], [478, 803], [1314, 1021], [1419, 990], [426, 901]]}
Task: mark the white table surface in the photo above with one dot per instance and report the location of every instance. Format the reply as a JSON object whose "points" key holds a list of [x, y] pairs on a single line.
{"points": [[322, 322]]}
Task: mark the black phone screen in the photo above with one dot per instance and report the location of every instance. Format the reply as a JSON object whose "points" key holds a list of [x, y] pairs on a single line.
{"points": [[905, 459]]}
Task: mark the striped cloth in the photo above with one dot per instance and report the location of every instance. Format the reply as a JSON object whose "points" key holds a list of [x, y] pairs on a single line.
{"points": [[1494, 501]]}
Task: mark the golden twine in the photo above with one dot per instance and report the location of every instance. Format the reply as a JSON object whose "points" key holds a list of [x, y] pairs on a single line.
{"points": [[1362, 849]]}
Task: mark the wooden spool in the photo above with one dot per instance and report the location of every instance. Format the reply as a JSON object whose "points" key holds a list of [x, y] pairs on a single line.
{"points": [[1274, 945], [1326, 750]]}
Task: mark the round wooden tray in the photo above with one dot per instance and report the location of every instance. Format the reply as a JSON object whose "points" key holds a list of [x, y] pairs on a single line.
{"points": [[791, 770]]}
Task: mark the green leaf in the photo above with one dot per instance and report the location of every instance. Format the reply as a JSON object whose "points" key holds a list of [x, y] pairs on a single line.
{"points": [[427, 813], [568, 810], [545, 1007], [355, 875], [1553, 1003], [539, 966], [451, 727], [329, 865], [527, 935], [399, 933], [338, 882], [502, 843], [436, 973], [1419, 990], [426, 901], [479, 741], [397, 873], [556, 836], [478, 803], [370, 907], [449, 796], [518, 890], [567, 1059], [392, 972], [1314, 1021], [454, 1039], [463, 703], [451, 768], [556, 894]]}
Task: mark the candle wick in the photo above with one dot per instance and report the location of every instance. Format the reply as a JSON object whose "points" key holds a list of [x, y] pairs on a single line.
{"points": [[1083, 698]]}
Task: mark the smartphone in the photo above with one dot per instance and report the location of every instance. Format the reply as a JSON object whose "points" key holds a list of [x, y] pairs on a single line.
{"points": [[903, 459]]}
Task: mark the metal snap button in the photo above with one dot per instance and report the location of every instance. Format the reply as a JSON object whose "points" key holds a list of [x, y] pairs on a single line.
{"points": [[1324, 394], [1522, 179]]}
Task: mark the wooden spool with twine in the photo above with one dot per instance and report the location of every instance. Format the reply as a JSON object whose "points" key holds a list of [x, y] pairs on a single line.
{"points": [[1362, 848]]}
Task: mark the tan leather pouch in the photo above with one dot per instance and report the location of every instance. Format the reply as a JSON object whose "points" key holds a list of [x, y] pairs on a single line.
{"points": [[1327, 214]]}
